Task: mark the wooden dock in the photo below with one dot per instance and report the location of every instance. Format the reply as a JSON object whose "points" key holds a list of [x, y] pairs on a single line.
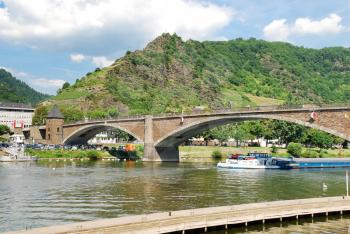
{"points": [[203, 218]]}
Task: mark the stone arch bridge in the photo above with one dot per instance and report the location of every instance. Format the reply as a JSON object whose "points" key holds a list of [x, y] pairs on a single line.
{"points": [[162, 135]]}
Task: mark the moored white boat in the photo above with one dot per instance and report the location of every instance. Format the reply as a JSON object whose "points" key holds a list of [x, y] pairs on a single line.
{"points": [[256, 161]]}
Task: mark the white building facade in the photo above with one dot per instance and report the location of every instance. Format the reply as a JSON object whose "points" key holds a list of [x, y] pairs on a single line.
{"points": [[16, 115], [106, 137]]}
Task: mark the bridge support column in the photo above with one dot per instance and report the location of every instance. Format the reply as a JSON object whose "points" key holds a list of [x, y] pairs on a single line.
{"points": [[149, 149], [157, 154]]}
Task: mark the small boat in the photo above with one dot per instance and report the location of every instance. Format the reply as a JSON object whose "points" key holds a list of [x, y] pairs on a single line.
{"points": [[16, 154], [257, 161]]}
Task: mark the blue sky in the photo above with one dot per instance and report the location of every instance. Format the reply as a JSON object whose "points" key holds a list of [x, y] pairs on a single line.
{"points": [[48, 42]]}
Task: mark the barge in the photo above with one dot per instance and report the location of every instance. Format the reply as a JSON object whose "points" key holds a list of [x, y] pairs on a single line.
{"points": [[266, 161], [322, 162]]}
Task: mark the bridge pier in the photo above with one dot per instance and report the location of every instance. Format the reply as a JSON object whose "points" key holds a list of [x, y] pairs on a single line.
{"points": [[157, 154]]}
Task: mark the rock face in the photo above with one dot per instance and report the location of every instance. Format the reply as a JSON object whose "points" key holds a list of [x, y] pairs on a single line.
{"points": [[170, 75]]}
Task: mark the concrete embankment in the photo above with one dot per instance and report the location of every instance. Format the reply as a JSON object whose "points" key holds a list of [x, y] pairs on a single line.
{"points": [[204, 218]]}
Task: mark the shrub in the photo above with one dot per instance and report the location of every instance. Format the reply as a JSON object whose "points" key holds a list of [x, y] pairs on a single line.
{"points": [[92, 155], [323, 154], [274, 149], [294, 149], [216, 154], [309, 154]]}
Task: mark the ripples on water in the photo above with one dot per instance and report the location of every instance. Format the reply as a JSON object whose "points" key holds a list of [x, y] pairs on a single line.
{"points": [[48, 193]]}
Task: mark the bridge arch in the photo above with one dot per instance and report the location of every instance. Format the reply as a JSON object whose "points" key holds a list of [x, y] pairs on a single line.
{"points": [[86, 132], [178, 136]]}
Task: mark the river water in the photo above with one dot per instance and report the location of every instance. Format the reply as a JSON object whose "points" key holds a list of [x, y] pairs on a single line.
{"points": [[49, 193]]}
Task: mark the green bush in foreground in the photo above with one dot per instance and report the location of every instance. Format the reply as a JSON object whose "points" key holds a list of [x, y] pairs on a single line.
{"points": [[309, 154], [274, 149], [216, 154], [294, 149]]}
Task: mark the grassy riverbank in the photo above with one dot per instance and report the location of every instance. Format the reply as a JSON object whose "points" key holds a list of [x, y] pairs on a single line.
{"points": [[206, 151], [86, 154]]}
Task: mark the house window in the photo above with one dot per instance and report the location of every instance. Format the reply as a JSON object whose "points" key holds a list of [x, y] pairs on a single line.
{"points": [[49, 137], [58, 129]]}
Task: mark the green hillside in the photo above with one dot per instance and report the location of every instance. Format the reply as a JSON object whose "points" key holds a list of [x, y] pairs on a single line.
{"points": [[13, 90], [171, 74]]}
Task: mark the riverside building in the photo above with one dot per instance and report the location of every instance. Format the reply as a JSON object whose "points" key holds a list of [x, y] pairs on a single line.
{"points": [[16, 115]]}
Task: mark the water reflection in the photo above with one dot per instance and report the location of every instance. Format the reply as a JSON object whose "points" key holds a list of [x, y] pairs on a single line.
{"points": [[56, 192]]}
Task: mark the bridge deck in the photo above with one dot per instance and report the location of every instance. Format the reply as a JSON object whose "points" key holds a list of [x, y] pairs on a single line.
{"points": [[202, 218]]}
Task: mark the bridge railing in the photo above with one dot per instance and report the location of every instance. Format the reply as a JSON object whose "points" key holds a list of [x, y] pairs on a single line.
{"points": [[219, 111]]}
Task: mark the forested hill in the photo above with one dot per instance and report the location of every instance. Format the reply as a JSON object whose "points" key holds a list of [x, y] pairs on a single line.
{"points": [[13, 90], [171, 74]]}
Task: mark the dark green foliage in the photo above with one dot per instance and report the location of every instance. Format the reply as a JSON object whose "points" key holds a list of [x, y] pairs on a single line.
{"points": [[173, 75], [320, 139], [40, 115], [71, 114], [65, 85], [274, 149], [216, 154], [4, 129], [285, 132], [113, 112], [13, 90], [268, 69], [97, 114], [294, 149]]}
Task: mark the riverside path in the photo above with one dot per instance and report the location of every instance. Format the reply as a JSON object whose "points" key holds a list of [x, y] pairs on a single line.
{"points": [[204, 218]]}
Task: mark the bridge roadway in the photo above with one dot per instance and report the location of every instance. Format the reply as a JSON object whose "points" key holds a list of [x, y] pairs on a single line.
{"points": [[204, 218]]}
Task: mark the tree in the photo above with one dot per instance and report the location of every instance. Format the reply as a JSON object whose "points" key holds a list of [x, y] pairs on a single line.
{"points": [[65, 85], [72, 114], [113, 112], [241, 135], [289, 132], [97, 114], [321, 139], [4, 129], [40, 115], [294, 149]]}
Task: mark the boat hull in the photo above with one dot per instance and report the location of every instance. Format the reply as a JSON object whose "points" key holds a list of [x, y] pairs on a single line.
{"points": [[235, 166]]}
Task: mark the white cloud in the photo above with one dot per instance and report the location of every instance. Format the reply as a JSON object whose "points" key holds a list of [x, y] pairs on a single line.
{"points": [[43, 83], [101, 61], [98, 26], [279, 30], [77, 58], [330, 24]]}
